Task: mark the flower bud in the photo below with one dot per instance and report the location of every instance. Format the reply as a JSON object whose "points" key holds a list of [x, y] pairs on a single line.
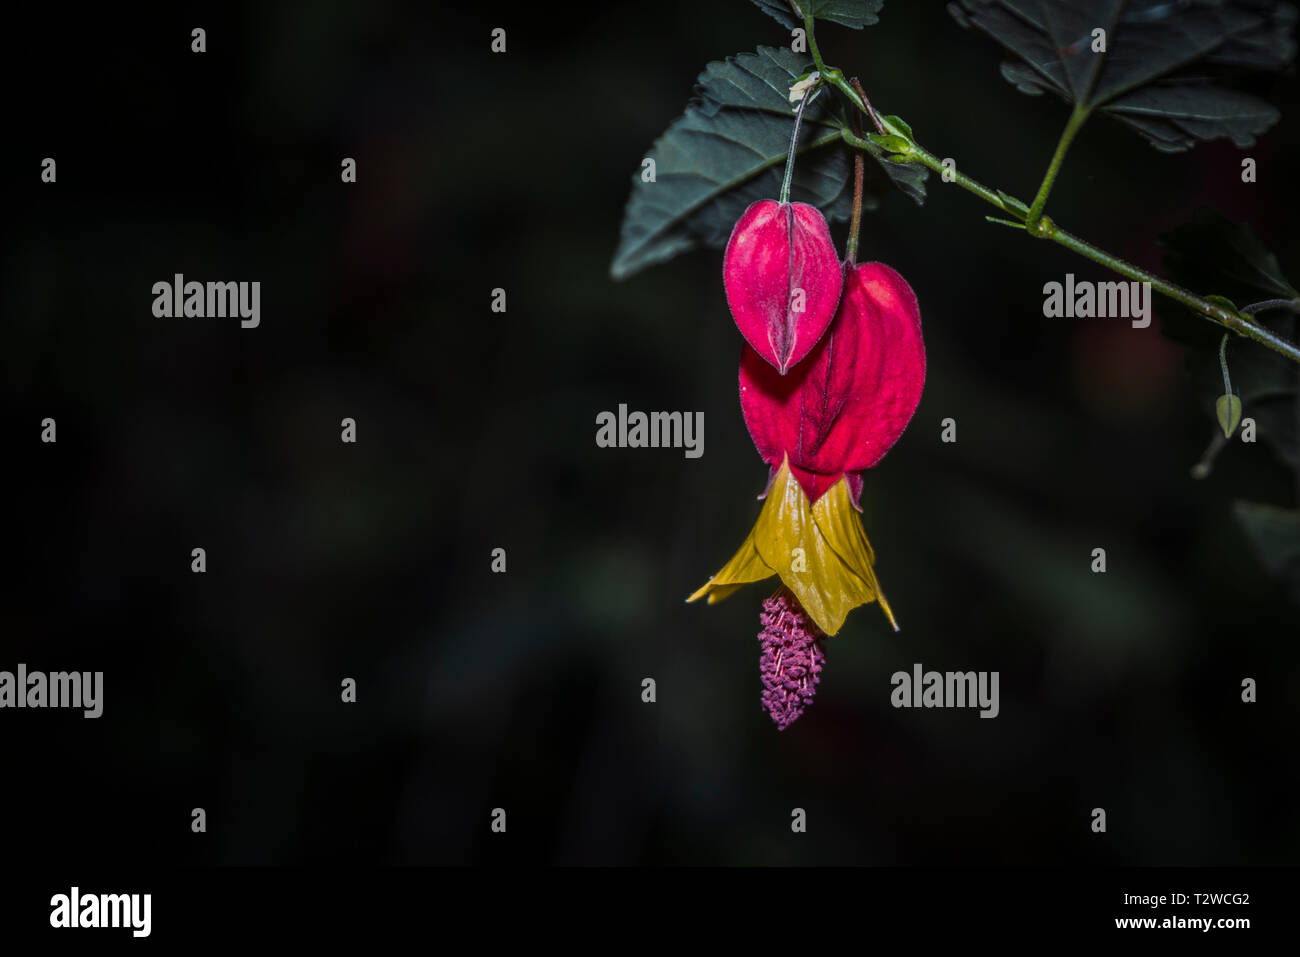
{"points": [[1227, 408]]}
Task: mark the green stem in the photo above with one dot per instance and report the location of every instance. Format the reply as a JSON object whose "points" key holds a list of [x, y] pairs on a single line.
{"points": [[1046, 229], [1238, 323], [915, 152], [1077, 116], [1291, 304], [1038, 225], [1223, 365], [810, 28], [851, 247], [836, 78]]}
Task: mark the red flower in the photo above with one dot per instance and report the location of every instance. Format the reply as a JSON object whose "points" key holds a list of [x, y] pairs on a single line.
{"points": [[782, 278], [834, 415], [843, 408]]}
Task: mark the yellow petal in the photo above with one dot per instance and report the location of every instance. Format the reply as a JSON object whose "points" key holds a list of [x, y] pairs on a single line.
{"points": [[790, 540], [745, 566], [820, 551], [719, 592], [838, 521]]}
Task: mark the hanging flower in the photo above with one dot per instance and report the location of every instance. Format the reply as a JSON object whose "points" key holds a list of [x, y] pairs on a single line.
{"points": [[819, 425]]}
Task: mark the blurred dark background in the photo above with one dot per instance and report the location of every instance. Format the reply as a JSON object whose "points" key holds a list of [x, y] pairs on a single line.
{"points": [[476, 431]]}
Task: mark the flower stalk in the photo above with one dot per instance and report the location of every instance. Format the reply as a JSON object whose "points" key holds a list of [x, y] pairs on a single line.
{"points": [[855, 225], [794, 142]]}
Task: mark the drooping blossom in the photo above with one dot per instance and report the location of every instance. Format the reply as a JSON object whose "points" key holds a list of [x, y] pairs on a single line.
{"points": [[819, 425]]}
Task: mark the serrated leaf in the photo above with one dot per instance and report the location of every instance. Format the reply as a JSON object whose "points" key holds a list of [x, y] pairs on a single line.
{"points": [[1274, 535], [1212, 252], [847, 13], [1021, 77], [1212, 247], [728, 150], [1164, 62], [908, 177]]}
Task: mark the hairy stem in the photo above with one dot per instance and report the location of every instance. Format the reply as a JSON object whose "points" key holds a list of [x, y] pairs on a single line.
{"points": [[1291, 304], [1077, 117], [1046, 229], [851, 248], [1036, 224], [1223, 365]]}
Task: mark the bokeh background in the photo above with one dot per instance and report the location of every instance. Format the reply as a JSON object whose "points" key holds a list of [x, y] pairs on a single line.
{"points": [[476, 431]]}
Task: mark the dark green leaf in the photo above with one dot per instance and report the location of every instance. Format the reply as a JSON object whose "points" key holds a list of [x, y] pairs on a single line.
{"points": [[908, 177], [1163, 65], [1212, 253], [848, 13], [1024, 79], [1274, 534], [728, 150]]}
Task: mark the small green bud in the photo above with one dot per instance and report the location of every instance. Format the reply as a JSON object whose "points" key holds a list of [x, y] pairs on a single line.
{"points": [[896, 126], [890, 143], [1228, 410]]}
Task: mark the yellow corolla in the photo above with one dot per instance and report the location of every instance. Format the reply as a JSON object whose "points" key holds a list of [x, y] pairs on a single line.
{"points": [[819, 550]]}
